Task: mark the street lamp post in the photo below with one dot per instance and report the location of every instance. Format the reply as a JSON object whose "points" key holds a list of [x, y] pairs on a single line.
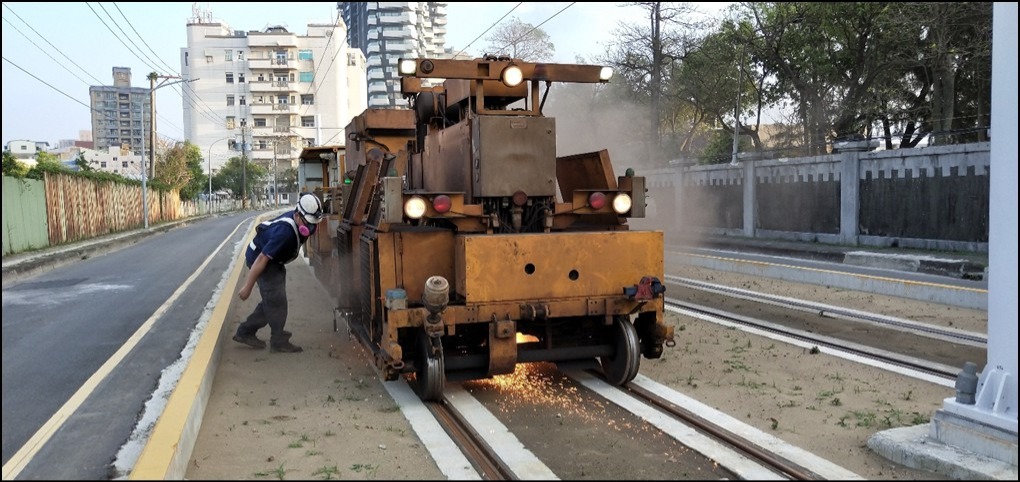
{"points": [[152, 109]]}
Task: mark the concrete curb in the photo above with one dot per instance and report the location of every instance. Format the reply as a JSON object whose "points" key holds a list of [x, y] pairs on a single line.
{"points": [[957, 268], [912, 447]]}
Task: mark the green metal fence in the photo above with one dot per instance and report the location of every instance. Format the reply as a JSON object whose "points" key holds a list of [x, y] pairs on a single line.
{"points": [[24, 215]]}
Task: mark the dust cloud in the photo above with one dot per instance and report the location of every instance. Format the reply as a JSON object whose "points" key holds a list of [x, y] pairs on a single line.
{"points": [[586, 122]]}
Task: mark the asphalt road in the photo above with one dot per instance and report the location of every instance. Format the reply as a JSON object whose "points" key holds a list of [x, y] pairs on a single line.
{"points": [[86, 344]]}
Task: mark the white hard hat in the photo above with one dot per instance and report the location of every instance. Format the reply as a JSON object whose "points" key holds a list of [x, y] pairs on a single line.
{"points": [[310, 207]]}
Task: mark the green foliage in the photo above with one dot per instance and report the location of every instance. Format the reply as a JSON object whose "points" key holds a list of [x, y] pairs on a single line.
{"points": [[46, 162], [720, 148], [82, 163], [49, 163], [899, 72], [287, 179], [238, 172], [13, 167], [181, 168]]}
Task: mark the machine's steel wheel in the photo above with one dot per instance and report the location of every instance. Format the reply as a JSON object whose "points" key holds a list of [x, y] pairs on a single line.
{"points": [[623, 366], [430, 372]]}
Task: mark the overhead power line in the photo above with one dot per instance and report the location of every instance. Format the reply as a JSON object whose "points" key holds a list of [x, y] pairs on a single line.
{"points": [[490, 28], [51, 44]]}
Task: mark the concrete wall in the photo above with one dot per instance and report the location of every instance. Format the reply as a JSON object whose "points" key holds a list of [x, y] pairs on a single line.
{"points": [[925, 198]]}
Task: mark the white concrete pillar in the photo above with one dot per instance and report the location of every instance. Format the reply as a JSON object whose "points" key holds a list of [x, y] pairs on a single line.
{"points": [[989, 426], [850, 197], [750, 200]]}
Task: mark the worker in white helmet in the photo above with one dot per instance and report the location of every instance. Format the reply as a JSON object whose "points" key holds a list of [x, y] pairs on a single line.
{"points": [[276, 243]]}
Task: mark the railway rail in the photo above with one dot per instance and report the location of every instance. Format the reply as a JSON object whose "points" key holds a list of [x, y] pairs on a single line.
{"points": [[836, 312], [945, 373]]}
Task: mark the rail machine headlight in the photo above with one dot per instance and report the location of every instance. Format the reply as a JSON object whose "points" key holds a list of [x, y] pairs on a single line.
{"points": [[415, 207], [512, 76], [622, 203], [407, 66]]}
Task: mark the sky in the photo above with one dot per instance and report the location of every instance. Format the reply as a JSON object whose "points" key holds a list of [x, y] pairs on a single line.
{"points": [[53, 52]]}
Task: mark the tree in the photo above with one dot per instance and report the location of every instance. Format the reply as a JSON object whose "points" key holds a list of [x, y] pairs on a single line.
{"points": [[287, 180], [82, 163], [647, 56], [13, 167], [520, 40], [46, 162], [847, 67], [236, 174], [180, 167]]}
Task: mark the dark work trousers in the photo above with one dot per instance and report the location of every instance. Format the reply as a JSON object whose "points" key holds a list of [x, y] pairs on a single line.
{"points": [[272, 310]]}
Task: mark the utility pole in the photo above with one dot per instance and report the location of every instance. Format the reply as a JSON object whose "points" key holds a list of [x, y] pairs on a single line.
{"points": [[152, 124], [736, 110], [244, 167]]}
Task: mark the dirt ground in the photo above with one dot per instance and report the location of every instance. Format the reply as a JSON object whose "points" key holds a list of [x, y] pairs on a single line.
{"points": [[324, 414]]}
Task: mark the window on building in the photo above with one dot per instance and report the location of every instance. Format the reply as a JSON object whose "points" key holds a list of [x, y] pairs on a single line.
{"points": [[240, 55], [230, 77], [307, 76], [208, 59], [281, 99], [123, 164], [281, 57], [102, 164], [241, 101], [185, 59], [260, 122], [232, 144], [304, 55], [262, 144], [307, 121], [240, 77], [230, 100], [231, 121], [228, 55], [309, 142], [308, 99]]}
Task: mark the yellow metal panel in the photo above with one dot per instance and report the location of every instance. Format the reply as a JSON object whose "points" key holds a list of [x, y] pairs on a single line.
{"points": [[407, 259], [550, 266]]}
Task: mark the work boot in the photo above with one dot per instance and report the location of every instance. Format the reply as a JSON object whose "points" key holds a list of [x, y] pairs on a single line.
{"points": [[282, 344], [250, 340]]}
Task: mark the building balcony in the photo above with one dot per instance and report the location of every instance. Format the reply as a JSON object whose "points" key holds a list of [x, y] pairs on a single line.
{"points": [[268, 154], [273, 86], [262, 131], [272, 63], [267, 108]]}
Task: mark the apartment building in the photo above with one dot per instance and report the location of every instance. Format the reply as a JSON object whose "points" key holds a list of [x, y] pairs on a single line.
{"points": [[120, 113], [387, 31], [268, 93]]}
